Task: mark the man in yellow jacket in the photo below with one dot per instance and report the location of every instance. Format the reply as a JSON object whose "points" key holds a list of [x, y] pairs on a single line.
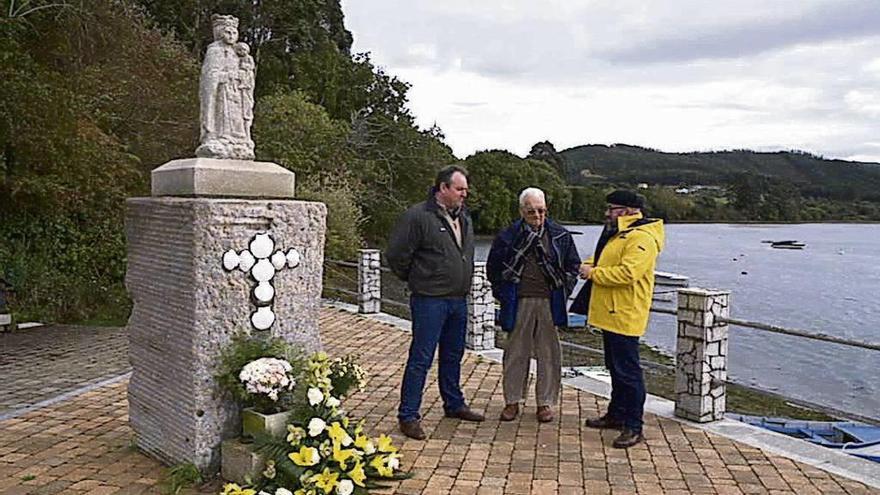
{"points": [[620, 286]]}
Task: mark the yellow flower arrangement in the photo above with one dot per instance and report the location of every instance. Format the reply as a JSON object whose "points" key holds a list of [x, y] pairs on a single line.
{"points": [[234, 489], [307, 456], [324, 452], [325, 480]]}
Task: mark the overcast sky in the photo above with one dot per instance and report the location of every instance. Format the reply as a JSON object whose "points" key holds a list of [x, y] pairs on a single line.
{"points": [[676, 75]]}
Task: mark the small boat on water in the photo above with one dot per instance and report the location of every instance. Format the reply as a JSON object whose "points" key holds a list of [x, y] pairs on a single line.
{"points": [[787, 244], [858, 439]]}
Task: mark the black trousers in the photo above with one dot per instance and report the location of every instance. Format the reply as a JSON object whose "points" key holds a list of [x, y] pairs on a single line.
{"points": [[627, 382]]}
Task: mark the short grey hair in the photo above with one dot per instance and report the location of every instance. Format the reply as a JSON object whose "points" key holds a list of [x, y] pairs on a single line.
{"points": [[530, 191]]}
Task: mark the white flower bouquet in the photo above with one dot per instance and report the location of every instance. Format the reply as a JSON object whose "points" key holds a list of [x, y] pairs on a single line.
{"points": [[267, 376], [260, 373]]}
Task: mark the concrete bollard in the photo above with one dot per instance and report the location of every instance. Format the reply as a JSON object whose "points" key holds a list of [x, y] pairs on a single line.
{"points": [[369, 282], [701, 354]]}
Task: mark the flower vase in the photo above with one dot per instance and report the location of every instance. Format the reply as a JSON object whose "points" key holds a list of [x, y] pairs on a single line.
{"points": [[254, 423]]}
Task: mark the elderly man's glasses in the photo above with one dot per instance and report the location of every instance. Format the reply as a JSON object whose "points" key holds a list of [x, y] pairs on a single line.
{"points": [[536, 211]]}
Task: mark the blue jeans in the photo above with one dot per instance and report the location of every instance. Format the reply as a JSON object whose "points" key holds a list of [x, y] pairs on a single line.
{"points": [[435, 321], [627, 382]]}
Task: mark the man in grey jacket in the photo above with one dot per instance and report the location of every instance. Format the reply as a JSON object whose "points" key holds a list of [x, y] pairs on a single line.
{"points": [[432, 250]]}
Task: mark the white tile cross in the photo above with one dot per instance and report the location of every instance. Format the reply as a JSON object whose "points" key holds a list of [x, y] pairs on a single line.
{"points": [[262, 261]]}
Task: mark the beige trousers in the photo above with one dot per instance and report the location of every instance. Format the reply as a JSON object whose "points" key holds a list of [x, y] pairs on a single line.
{"points": [[533, 335]]}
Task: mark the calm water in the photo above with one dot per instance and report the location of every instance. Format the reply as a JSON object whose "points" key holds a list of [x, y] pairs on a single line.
{"points": [[832, 287]]}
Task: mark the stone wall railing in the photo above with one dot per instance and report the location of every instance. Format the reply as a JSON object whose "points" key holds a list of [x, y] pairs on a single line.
{"points": [[701, 353], [369, 281], [481, 306], [481, 312]]}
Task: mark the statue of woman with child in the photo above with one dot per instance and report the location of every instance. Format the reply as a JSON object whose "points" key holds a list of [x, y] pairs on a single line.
{"points": [[226, 94]]}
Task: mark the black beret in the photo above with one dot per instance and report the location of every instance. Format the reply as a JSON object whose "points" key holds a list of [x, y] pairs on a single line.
{"points": [[623, 197]]}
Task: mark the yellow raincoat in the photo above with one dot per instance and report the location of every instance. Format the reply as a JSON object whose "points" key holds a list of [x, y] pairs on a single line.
{"points": [[623, 280]]}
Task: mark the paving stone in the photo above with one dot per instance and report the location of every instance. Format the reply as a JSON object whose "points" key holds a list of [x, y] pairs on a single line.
{"points": [[82, 445]]}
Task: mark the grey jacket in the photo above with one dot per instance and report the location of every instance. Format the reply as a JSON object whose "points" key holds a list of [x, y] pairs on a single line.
{"points": [[422, 252]]}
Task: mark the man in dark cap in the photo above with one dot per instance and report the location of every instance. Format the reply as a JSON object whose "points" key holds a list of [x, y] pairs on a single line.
{"points": [[617, 300]]}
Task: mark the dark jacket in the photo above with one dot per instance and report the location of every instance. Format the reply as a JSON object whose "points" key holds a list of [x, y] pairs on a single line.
{"points": [[563, 253], [422, 252]]}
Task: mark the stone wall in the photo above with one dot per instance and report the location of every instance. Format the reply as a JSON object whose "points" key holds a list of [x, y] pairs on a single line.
{"points": [[187, 307]]}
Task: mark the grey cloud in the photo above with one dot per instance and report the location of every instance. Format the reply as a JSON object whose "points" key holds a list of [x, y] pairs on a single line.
{"points": [[834, 21]]}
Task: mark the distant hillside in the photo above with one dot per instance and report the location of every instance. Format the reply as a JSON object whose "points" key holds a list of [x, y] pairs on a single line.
{"points": [[813, 176]]}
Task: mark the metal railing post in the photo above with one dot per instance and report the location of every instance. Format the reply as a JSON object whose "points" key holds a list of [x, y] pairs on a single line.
{"points": [[701, 354], [369, 282]]}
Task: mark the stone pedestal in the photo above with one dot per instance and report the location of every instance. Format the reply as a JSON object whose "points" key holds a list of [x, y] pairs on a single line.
{"points": [[369, 281], [481, 312], [187, 307], [701, 355], [240, 463], [222, 178]]}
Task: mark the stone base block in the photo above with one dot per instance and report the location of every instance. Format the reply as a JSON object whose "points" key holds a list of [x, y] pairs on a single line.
{"points": [[187, 307], [226, 178], [239, 463], [254, 424]]}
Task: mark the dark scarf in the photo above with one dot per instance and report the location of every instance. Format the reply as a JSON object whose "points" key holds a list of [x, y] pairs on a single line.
{"points": [[530, 240]]}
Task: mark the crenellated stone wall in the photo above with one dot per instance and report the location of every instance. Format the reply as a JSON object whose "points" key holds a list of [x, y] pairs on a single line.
{"points": [[701, 354]]}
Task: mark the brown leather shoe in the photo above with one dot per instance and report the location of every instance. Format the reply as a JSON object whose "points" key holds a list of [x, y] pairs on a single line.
{"points": [[466, 414], [545, 414], [627, 439], [605, 423], [510, 412], [412, 429]]}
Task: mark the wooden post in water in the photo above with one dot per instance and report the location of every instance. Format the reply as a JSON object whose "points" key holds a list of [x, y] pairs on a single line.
{"points": [[701, 354]]}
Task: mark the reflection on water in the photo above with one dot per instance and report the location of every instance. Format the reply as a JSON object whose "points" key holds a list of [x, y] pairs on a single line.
{"points": [[832, 286]]}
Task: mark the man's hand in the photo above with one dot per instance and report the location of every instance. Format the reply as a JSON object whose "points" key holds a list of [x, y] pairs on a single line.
{"points": [[585, 271]]}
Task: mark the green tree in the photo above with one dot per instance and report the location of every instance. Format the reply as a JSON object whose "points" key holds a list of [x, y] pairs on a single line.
{"points": [[81, 91], [497, 178], [297, 44], [300, 136], [398, 163], [546, 152], [588, 204]]}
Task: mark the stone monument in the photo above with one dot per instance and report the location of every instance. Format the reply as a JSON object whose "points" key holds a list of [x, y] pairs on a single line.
{"points": [[220, 247]]}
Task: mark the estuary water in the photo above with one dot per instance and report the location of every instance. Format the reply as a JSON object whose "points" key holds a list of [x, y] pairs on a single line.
{"points": [[832, 286]]}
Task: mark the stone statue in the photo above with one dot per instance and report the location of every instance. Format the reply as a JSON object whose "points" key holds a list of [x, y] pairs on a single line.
{"points": [[226, 94]]}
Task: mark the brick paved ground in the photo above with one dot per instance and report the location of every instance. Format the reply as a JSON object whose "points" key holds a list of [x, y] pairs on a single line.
{"points": [[82, 446], [44, 362]]}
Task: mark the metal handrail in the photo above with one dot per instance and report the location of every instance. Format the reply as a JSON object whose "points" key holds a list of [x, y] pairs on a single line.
{"points": [[352, 264], [799, 333], [355, 294]]}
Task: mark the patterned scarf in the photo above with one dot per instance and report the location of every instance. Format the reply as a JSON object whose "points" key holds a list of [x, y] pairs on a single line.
{"points": [[525, 241]]}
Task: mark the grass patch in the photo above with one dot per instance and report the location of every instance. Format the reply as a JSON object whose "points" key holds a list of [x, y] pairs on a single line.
{"points": [[180, 477]]}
